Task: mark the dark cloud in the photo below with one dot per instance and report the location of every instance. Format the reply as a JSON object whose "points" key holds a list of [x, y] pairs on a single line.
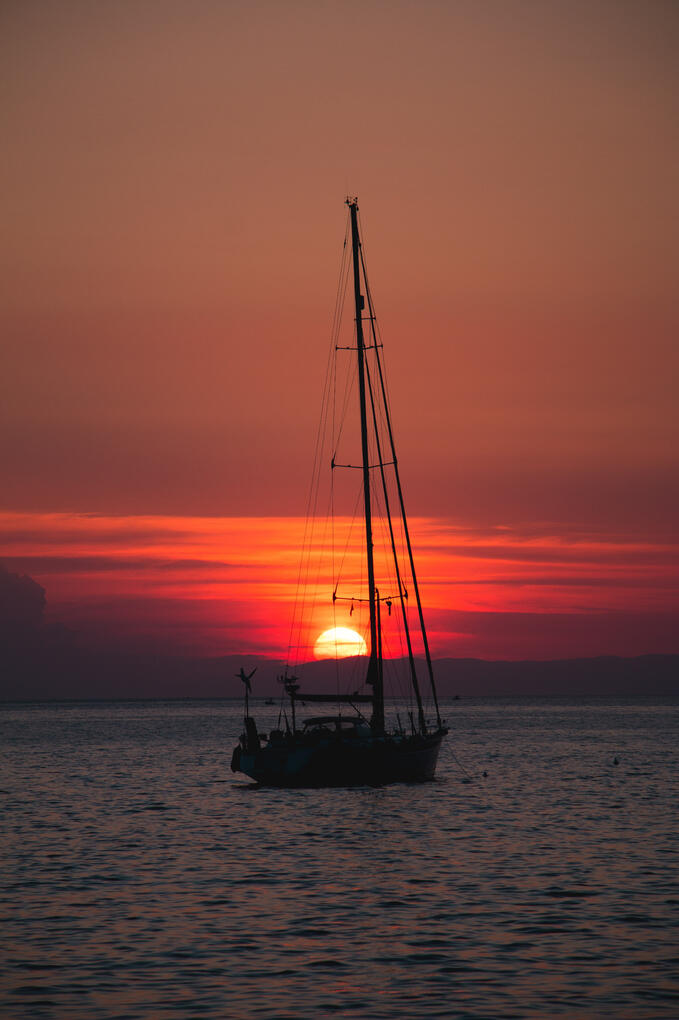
{"points": [[567, 581], [90, 564], [22, 602], [605, 552], [31, 651], [106, 535]]}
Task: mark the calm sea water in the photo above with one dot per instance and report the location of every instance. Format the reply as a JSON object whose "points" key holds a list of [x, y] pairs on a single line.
{"points": [[141, 878]]}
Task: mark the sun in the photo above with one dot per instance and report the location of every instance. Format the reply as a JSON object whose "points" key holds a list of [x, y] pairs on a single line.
{"points": [[339, 643]]}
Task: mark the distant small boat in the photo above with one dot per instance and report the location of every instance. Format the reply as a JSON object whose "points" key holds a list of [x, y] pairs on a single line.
{"points": [[357, 749], [269, 701]]}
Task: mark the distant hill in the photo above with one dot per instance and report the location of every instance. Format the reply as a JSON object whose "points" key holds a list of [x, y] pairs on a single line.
{"points": [[604, 675], [61, 671]]}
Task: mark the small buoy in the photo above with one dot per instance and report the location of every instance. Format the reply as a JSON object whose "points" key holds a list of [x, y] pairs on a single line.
{"points": [[485, 774], [615, 761]]}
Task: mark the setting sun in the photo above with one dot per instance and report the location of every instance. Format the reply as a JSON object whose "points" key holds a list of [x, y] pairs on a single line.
{"points": [[339, 643]]}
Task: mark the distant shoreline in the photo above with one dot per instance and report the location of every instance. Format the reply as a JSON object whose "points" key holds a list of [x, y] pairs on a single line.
{"points": [[259, 702]]}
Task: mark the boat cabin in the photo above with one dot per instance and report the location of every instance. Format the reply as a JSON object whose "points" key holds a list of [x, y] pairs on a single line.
{"points": [[335, 724]]}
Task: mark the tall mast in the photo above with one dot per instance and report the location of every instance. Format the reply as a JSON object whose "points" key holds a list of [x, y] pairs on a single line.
{"points": [[406, 530], [374, 667]]}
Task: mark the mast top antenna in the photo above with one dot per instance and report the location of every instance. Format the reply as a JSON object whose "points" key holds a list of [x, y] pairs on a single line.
{"points": [[352, 200]]}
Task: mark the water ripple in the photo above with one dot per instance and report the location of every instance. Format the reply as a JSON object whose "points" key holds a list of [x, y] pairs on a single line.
{"points": [[142, 880]]}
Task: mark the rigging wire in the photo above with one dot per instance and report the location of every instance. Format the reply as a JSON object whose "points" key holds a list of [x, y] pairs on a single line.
{"points": [[423, 632], [298, 613]]}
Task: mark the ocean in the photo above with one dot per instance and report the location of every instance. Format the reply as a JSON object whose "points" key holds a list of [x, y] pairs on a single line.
{"points": [[537, 877]]}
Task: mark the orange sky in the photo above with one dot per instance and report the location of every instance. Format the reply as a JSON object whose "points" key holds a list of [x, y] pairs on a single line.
{"points": [[172, 196], [228, 585]]}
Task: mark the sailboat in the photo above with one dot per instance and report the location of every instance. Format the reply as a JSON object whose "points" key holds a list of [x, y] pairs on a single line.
{"points": [[356, 745]]}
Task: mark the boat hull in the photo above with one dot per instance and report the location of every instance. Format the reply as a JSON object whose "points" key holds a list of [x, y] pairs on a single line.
{"points": [[375, 761]]}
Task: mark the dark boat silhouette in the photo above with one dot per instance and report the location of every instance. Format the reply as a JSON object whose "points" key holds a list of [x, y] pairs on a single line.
{"points": [[355, 745]]}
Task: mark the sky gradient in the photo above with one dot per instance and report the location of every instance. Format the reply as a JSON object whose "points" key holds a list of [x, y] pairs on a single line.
{"points": [[172, 225]]}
